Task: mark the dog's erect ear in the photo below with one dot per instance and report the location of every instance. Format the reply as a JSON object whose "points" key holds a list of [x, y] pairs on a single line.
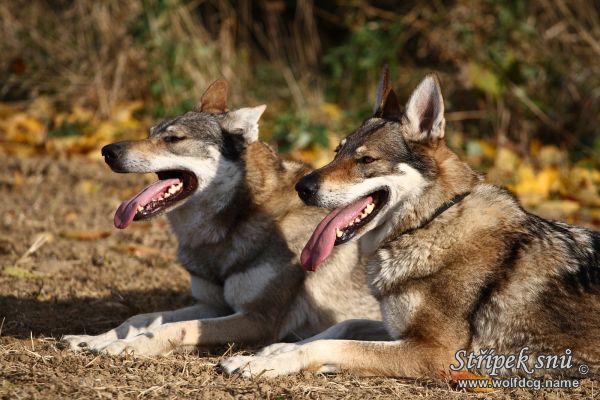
{"points": [[245, 122], [214, 99], [386, 102], [425, 110]]}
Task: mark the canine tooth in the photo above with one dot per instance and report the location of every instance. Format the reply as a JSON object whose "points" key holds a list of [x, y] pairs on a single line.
{"points": [[172, 189], [370, 208], [363, 215], [338, 232]]}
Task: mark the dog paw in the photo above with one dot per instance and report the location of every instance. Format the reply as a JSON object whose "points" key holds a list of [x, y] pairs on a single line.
{"points": [[140, 345], [236, 365], [86, 342], [258, 366], [76, 342], [277, 348], [116, 348]]}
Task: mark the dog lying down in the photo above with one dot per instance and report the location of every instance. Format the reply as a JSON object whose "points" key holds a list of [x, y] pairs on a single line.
{"points": [[240, 226], [457, 265]]}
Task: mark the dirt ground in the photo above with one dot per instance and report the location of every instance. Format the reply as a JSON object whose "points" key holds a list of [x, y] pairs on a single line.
{"points": [[64, 269]]}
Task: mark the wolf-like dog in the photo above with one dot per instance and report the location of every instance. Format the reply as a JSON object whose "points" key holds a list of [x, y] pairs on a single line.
{"points": [[240, 226], [458, 266]]}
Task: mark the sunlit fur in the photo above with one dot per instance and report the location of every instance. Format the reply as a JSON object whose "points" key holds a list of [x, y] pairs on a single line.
{"points": [[480, 274], [239, 236]]}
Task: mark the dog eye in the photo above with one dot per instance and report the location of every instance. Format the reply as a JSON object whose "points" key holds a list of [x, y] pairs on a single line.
{"points": [[173, 139], [366, 160]]}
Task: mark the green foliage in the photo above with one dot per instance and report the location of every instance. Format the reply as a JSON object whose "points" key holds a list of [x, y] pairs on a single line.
{"points": [[528, 69], [67, 128], [291, 131]]}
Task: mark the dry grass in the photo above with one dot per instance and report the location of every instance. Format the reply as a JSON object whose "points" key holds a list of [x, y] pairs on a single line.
{"points": [[88, 283], [39, 369]]}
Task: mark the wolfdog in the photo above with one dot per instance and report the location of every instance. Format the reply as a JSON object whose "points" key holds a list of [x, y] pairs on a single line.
{"points": [[240, 227], [457, 265]]}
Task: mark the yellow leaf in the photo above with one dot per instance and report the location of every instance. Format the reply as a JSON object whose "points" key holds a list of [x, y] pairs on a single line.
{"points": [[551, 156], [464, 375], [489, 151], [23, 128], [506, 160], [20, 273], [333, 111], [532, 188], [106, 131], [483, 79], [123, 113], [80, 114]]}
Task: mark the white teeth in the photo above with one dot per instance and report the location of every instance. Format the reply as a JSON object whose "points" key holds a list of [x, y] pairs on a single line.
{"points": [[357, 220], [167, 195], [351, 223], [172, 190], [338, 232], [140, 209], [363, 215], [370, 208]]}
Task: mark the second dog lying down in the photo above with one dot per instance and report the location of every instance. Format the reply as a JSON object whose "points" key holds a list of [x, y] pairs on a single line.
{"points": [[459, 266], [240, 227]]}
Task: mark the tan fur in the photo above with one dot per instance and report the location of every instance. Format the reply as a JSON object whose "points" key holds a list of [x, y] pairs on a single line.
{"points": [[482, 273], [239, 236]]}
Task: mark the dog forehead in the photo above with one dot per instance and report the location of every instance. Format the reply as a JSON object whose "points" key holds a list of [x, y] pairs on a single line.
{"points": [[374, 133], [201, 125]]}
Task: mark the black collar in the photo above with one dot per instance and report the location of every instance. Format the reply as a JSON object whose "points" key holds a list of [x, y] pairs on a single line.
{"points": [[455, 200]]}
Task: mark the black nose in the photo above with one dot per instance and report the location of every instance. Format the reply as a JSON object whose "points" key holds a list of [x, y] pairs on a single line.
{"points": [[111, 152], [308, 187]]}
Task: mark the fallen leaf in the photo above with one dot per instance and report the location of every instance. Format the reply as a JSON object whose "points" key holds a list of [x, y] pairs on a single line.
{"points": [[506, 160], [139, 250], [534, 187], [20, 273], [465, 375], [85, 234], [551, 156], [22, 128]]}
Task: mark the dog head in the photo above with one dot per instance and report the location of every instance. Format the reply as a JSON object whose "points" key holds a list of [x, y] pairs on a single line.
{"points": [[190, 154], [377, 168]]}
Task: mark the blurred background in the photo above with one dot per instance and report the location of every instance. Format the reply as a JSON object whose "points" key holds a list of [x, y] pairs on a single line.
{"points": [[521, 79]]}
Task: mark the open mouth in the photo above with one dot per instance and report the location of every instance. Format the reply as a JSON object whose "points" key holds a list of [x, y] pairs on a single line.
{"points": [[341, 225], [171, 188]]}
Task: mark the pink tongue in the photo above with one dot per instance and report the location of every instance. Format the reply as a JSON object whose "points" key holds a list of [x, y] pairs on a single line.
{"points": [[128, 208], [321, 242]]}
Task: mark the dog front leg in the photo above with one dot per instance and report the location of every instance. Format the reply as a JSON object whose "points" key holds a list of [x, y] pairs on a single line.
{"points": [[395, 358], [141, 323], [204, 332], [352, 329]]}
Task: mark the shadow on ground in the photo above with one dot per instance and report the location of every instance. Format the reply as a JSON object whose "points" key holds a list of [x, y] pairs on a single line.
{"points": [[28, 316]]}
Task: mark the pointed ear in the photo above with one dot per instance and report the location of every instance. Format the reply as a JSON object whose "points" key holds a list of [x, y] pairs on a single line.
{"points": [[214, 99], [425, 110], [245, 122], [386, 102]]}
